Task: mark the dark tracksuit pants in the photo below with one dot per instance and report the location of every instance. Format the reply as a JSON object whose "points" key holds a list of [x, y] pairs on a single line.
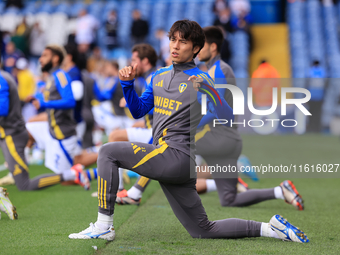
{"points": [[224, 150], [13, 149], [89, 120], [172, 169]]}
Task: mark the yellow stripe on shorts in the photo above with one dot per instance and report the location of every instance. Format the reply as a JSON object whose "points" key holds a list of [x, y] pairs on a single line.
{"points": [[152, 154]]}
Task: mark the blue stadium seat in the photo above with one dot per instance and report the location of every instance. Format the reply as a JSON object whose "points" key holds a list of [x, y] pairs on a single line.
{"points": [[47, 7], [239, 46], [75, 9], [64, 8], [2, 7]]}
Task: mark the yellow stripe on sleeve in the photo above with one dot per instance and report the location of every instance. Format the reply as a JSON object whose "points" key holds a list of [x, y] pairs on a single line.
{"points": [[204, 76], [209, 80], [62, 79]]}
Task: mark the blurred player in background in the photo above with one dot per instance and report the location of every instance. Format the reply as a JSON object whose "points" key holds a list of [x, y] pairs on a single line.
{"points": [[14, 136], [145, 56], [222, 145], [87, 114], [106, 110], [70, 67], [57, 136]]}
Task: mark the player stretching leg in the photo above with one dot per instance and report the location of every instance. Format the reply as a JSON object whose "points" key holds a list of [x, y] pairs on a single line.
{"points": [[220, 145], [14, 137], [145, 57], [170, 158]]}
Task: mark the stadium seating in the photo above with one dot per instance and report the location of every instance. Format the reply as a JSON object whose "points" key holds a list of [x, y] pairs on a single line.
{"points": [[160, 14], [60, 19], [314, 30], [298, 40], [314, 36], [239, 61]]}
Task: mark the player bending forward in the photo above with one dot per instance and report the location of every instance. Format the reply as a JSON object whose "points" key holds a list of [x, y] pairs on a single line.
{"points": [[170, 158]]}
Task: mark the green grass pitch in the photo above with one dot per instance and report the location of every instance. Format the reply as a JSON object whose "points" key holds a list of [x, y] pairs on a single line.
{"points": [[47, 217]]}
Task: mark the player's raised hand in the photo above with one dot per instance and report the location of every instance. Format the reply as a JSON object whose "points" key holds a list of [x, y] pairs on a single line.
{"points": [[196, 81], [36, 104], [128, 73], [29, 99]]}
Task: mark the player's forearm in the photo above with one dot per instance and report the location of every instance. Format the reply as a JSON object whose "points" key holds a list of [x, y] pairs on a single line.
{"points": [[137, 106], [206, 119]]}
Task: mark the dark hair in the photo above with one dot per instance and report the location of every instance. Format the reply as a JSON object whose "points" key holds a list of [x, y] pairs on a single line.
{"points": [[146, 51], [316, 62], [189, 30], [214, 34], [81, 61], [58, 51], [73, 51], [114, 64]]}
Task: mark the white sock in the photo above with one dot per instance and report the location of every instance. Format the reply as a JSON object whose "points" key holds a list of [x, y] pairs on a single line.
{"points": [[267, 231], [278, 193], [69, 175], [104, 221], [134, 193], [211, 185], [199, 160], [121, 181]]}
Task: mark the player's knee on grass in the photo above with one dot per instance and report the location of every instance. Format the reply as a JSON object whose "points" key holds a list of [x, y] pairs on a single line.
{"points": [[228, 199], [23, 183], [227, 191], [118, 135]]}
